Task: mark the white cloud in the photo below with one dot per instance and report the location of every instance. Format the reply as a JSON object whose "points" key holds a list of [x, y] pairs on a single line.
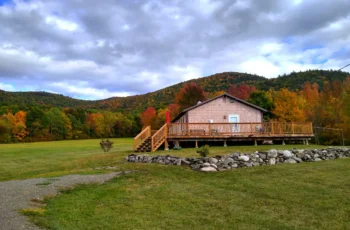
{"points": [[78, 49], [7, 87], [61, 24]]}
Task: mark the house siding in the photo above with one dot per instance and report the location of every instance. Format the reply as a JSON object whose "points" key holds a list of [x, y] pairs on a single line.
{"points": [[222, 106]]}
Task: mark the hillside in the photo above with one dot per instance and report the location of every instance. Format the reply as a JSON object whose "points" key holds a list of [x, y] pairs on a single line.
{"points": [[163, 97]]}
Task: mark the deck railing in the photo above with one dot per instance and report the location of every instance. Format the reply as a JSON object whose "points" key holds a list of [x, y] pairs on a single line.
{"points": [[139, 139], [159, 137], [237, 129]]}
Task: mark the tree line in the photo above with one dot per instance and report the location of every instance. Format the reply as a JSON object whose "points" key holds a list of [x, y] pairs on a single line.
{"points": [[326, 106], [38, 124]]}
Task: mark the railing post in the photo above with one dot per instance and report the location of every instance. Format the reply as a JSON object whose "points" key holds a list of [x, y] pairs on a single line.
{"points": [[166, 137], [251, 127], [292, 128], [272, 131]]}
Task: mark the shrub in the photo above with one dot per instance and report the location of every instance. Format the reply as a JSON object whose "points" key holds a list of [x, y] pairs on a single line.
{"points": [[204, 151], [106, 145]]}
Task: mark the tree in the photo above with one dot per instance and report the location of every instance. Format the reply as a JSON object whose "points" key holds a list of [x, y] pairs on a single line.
{"points": [[243, 91], [189, 95], [261, 99], [59, 124], [148, 116], [289, 106], [310, 92], [174, 110]]}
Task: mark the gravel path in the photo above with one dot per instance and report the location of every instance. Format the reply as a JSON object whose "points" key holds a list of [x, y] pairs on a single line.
{"points": [[18, 194]]}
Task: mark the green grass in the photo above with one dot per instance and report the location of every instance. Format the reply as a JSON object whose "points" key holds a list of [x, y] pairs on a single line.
{"points": [[288, 196], [300, 196], [49, 159]]}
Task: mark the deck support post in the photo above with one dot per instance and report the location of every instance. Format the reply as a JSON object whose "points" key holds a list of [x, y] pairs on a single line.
{"points": [[196, 144], [283, 143], [255, 143], [304, 142], [307, 142], [166, 144], [225, 144]]}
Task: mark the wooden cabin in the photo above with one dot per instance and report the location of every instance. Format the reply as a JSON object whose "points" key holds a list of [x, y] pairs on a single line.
{"points": [[222, 118]]}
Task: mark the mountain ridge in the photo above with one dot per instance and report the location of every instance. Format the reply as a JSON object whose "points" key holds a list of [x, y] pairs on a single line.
{"points": [[163, 97]]}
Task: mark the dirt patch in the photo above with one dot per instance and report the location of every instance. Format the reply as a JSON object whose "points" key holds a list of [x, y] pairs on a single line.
{"points": [[23, 194]]}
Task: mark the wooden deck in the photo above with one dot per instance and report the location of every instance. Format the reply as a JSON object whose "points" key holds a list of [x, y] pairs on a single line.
{"points": [[225, 131]]}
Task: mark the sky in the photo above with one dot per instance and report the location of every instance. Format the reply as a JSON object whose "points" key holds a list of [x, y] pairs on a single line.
{"points": [[95, 49]]}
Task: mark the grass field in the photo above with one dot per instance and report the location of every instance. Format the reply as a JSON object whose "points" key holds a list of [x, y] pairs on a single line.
{"points": [[299, 196]]}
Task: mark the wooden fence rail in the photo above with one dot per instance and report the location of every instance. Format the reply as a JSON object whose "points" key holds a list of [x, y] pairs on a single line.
{"points": [[233, 129]]}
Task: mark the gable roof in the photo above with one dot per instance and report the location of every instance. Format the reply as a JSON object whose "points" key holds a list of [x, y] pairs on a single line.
{"points": [[214, 98]]}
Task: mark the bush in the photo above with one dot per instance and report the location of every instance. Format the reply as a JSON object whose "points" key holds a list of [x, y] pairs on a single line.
{"points": [[106, 145], [204, 151]]}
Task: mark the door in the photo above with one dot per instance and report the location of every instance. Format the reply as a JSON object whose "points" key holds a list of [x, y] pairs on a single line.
{"points": [[234, 118]]}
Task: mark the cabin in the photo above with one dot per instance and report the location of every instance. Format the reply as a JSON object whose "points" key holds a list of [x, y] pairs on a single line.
{"points": [[222, 118]]}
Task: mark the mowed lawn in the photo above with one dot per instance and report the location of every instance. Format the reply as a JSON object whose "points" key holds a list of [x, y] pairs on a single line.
{"points": [[47, 159], [288, 196]]}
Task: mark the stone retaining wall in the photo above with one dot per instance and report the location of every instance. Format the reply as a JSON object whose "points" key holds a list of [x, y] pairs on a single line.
{"points": [[241, 160]]}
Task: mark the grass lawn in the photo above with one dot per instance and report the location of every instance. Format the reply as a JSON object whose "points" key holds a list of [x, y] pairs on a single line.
{"points": [[288, 196], [47, 159], [299, 196]]}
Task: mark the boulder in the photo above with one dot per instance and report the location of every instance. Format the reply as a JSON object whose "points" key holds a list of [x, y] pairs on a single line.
{"points": [[205, 165], [318, 159], [228, 161], [214, 166], [208, 169], [297, 159], [243, 158], [272, 153], [287, 154], [290, 161], [262, 155], [213, 160], [272, 161]]}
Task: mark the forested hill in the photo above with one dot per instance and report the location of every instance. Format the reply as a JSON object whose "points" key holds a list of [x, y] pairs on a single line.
{"points": [[163, 97]]}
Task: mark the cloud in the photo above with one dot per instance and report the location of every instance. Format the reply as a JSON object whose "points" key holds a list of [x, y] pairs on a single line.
{"points": [[119, 48]]}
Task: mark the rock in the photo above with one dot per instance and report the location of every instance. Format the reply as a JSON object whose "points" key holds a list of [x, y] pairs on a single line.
{"points": [[195, 167], [287, 154], [248, 164], [214, 166], [297, 159], [208, 169], [236, 155], [290, 161], [228, 161], [318, 159], [185, 162], [262, 155], [205, 165], [213, 160], [272, 153], [243, 158], [272, 161], [234, 165], [316, 155]]}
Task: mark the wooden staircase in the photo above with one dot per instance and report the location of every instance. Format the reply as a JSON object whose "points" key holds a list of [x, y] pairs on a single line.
{"points": [[145, 142], [145, 146]]}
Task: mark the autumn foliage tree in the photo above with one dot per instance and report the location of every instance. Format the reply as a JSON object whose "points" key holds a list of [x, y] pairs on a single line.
{"points": [[289, 106], [242, 91], [148, 116], [189, 95]]}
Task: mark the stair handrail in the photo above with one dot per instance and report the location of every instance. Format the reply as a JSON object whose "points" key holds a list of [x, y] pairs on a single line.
{"points": [[159, 137], [142, 136]]}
